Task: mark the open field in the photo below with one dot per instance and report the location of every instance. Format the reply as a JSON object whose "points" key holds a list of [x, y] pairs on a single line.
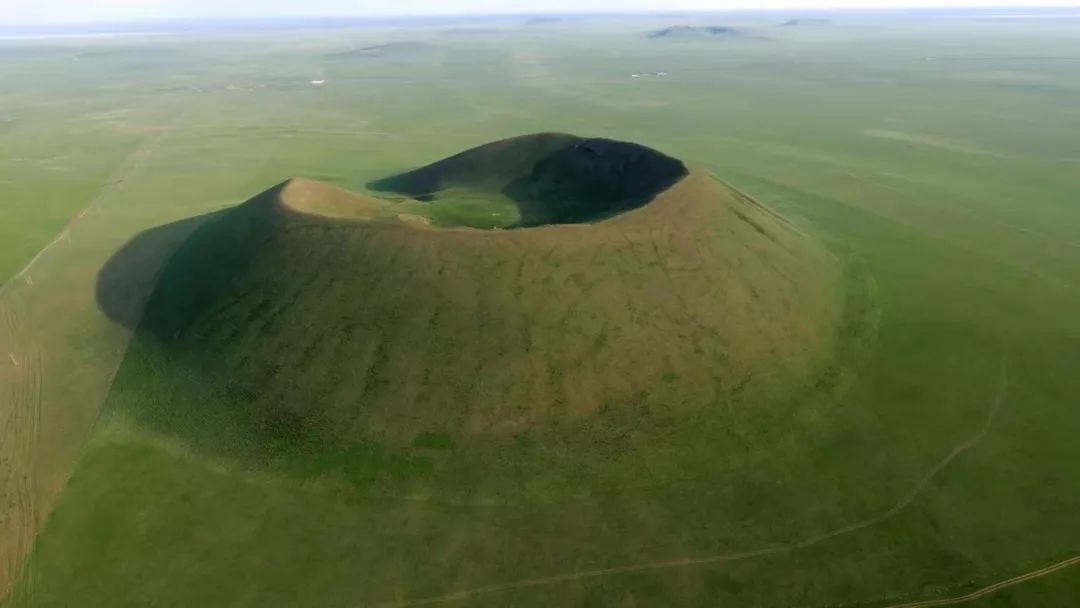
{"points": [[935, 159]]}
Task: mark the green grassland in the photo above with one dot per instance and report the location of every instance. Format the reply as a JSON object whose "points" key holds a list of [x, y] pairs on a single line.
{"points": [[935, 158]]}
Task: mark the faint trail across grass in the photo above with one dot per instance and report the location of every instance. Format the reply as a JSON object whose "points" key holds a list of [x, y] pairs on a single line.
{"points": [[683, 562], [24, 367], [132, 163], [991, 589]]}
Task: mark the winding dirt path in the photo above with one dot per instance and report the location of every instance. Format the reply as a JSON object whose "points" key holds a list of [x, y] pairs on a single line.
{"points": [[990, 589], [684, 562]]}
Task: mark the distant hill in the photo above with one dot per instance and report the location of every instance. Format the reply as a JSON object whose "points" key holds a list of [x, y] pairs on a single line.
{"points": [[806, 22], [544, 20], [388, 50], [689, 31], [474, 31]]}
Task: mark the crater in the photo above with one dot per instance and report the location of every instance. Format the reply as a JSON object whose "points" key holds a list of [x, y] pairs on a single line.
{"points": [[537, 180]]}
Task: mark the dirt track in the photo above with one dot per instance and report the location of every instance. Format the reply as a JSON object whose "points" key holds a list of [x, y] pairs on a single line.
{"points": [[32, 466], [990, 589], [683, 562]]}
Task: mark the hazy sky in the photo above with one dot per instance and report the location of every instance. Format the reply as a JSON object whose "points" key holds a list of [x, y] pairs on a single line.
{"points": [[68, 11]]}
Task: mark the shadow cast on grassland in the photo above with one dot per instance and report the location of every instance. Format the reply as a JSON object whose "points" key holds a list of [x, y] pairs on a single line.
{"points": [[127, 280], [171, 385]]}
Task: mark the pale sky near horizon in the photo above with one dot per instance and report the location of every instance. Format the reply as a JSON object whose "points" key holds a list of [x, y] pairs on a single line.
{"points": [[82, 11]]}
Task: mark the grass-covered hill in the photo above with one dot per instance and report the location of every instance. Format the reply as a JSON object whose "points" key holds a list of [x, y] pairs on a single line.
{"points": [[933, 458], [310, 316]]}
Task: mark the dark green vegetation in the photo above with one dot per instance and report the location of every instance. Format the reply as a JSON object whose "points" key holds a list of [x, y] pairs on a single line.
{"points": [[935, 158]]}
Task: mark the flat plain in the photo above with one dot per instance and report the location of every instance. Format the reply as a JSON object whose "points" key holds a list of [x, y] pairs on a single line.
{"points": [[933, 456]]}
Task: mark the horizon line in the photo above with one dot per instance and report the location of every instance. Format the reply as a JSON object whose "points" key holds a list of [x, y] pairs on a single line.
{"points": [[387, 18]]}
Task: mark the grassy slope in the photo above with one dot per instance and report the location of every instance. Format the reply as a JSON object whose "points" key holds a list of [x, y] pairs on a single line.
{"points": [[971, 255]]}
